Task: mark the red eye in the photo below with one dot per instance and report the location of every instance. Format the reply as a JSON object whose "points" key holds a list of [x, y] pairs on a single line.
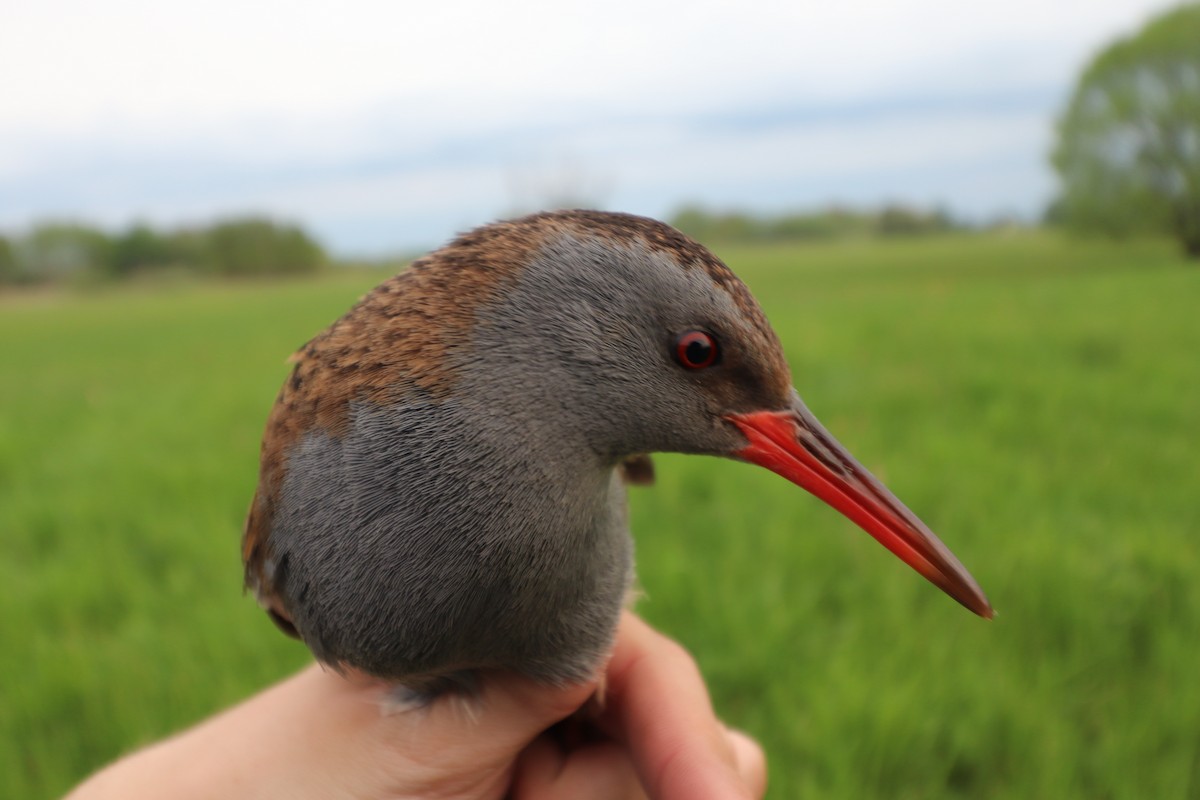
{"points": [[696, 350]]}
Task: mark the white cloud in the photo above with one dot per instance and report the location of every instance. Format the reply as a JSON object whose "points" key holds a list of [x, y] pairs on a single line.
{"points": [[348, 110], [166, 66]]}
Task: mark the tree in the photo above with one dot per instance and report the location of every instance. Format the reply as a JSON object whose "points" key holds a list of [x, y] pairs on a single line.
{"points": [[57, 250], [1128, 150], [141, 248], [256, 246], [9, 271]]}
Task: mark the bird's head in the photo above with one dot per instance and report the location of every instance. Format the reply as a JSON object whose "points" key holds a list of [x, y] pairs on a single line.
{"points": [[640, 340]]}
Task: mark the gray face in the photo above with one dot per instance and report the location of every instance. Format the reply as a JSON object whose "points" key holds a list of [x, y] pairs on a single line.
{"points": [[583, 345]]}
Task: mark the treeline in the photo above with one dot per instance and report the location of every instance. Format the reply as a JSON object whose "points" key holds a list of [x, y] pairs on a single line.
{"points": [[65, 251], [827, 223], [55, 252]]}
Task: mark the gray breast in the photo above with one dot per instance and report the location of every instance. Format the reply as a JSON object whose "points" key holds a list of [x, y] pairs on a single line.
{"points": [[435, 537]]}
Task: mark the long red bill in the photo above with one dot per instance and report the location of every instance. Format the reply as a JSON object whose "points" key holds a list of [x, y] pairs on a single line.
{"points": [[795, 445]]}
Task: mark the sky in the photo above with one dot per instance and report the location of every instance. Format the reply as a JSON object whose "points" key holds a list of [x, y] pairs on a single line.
{"points": [[386, 126]]}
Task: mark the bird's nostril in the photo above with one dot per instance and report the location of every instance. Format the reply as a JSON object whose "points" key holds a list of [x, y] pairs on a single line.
{"points": [[818, 451]]}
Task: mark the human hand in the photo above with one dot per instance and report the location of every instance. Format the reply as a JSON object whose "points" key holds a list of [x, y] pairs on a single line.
{"points": [[664, 741], [319, 734]]}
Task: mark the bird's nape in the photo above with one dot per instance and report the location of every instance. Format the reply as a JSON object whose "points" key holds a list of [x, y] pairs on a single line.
{"points": [[792, 443]]}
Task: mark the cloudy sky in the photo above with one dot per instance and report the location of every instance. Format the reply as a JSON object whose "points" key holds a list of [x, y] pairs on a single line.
{"points": [[385, 125]]}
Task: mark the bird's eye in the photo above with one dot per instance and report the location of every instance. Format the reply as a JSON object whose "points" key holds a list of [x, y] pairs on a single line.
{"points": [[696, 350]]}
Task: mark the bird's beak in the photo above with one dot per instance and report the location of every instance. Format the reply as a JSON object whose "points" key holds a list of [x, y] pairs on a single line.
{"points": [[795, 445]]}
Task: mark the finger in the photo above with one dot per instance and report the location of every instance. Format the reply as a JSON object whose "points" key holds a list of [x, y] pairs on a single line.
{"points": [[489, 728], [659, 706], [537, 769], [513, 710], [600, 771], [751, 761]]}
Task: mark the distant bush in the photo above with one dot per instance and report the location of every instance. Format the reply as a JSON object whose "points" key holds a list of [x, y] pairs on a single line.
{"points": [[141, 249], [261, 247], [53, 251], [57, 251], [9, 273], [828, 223]]}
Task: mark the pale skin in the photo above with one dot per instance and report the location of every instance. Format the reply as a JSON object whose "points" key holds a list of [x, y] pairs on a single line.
{"points": [[322, 735]]}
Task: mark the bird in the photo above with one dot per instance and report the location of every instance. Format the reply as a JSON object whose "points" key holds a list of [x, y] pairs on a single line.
{"points": [[442, 481]]}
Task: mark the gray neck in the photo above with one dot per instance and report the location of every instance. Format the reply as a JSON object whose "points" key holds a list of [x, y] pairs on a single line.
{"points": [[436, 536]]}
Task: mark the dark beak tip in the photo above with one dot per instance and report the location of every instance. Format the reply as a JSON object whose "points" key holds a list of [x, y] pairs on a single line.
{"points": [[979, 608], [969, 596], [987, 612]]}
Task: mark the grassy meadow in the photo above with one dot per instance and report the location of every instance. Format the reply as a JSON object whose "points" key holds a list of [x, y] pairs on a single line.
{"points": [[1035, 399]]}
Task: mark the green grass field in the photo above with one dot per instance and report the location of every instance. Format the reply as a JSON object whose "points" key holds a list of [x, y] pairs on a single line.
{"points": [[1036, 400]]}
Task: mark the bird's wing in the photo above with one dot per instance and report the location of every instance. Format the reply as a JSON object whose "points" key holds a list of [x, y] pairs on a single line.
{"points": [[260, 569], [638, 471]]}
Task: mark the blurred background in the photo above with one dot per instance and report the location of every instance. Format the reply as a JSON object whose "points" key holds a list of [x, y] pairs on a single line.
{"points": [[976, 228]]}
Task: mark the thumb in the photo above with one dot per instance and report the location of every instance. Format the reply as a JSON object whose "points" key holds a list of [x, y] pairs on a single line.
{"points": [[502, 719], [463, 745], [513, 710]]}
